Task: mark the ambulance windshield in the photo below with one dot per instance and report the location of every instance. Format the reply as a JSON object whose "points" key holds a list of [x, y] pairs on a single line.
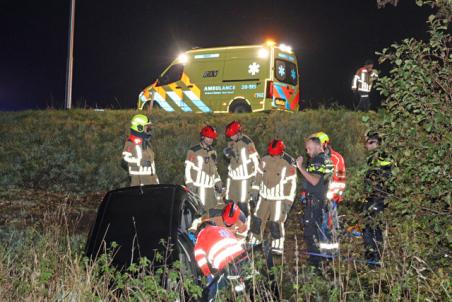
{"points": [[173, 74]]}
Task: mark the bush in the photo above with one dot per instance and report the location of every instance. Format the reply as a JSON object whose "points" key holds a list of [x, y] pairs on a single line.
{"points": [[80, 150]]}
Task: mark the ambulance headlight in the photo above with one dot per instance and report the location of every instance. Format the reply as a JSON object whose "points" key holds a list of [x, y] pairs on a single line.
{"points": [[182, 58], [262, 53]]}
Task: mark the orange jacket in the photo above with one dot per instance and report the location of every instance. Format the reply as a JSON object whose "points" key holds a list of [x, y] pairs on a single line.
{"points": [[336, 188], [215, 248]]}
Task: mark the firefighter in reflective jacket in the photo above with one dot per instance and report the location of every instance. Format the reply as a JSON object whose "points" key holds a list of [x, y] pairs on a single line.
{"points": [[201, 174], [275, 190], [215, 248], [231, 218], [138, 152], [316, 177], [243, 164], [362, 84], [335, 193]]}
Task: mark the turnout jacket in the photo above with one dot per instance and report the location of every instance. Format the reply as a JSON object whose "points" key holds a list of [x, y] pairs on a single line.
{"points": [[243, 160], [277, 178], [201, 167], [140, 158], [363, 79]]}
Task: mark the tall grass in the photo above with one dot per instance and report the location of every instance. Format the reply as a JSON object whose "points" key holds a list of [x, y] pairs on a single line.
{"points": [[46, 263]]}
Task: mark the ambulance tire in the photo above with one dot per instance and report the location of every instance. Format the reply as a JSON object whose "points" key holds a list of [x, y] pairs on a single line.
{"points": [[239, 106]]}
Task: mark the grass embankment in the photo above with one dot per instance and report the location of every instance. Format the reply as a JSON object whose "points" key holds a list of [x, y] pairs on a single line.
{"points": [[49, 160], [80, 150]]}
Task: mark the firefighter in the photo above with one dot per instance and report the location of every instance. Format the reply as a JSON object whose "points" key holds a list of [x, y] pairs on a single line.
{"points": [[218, 252], [138, 152], [377, 175], [316, 177], [274, 190], [231, 217], [335, 194], [243, 164], [201, 174], [362, 84]]}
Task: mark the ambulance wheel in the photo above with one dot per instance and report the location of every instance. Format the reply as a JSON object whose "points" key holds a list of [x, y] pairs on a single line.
{"points": [[239, 106]]}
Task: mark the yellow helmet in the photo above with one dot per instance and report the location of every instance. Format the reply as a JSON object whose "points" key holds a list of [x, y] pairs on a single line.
{"points": [[322, 136], [139, 122]]}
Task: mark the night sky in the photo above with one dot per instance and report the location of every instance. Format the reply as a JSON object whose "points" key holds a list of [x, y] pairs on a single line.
{"points": [[122, 46]]}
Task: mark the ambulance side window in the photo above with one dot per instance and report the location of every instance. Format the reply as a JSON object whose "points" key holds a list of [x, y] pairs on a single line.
{"points": [[172, 75]]}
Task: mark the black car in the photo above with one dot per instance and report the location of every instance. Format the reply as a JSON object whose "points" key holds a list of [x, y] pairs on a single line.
{"points": [[137, 219]]}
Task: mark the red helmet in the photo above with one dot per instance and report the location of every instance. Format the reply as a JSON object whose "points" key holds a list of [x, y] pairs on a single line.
{"points": [[209, 131], [276, 147], [233, 128], [231, 213]]}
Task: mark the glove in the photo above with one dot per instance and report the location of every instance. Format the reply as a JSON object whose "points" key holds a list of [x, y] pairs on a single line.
{"points": [[194, 225], [192, 237], [219, 187], [303, 197], [146, 163], [254, 198], [228, 152]]}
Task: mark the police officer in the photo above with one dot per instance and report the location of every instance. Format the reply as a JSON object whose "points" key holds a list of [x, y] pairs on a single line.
{"points": [[316, 177], [201, 174], [377, 175], [138, 152], [243, 164], [274, 188]]}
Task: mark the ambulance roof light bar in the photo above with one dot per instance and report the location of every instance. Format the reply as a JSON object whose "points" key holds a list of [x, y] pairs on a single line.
{"points": [[285, 48]]}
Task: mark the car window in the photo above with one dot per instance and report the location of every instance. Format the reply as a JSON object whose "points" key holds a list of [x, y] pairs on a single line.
{"points": [[172, 75]]}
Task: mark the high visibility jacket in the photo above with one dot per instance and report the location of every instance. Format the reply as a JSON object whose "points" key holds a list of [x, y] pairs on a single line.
{"points": [[378, 173], [336, 188], [139, 159], [322, 166], [201, 167], [245, 162], [363, 79], [215, 248], [277, 178]]}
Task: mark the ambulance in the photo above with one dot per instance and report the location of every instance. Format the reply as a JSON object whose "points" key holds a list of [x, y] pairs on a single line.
{"points": [[233, 79]]}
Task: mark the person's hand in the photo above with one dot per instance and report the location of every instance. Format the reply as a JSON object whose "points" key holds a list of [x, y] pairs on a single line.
{"points": [[194, 225], [300, 160], [146, 163], [219, 187], [228, 152], [254, 198]]}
